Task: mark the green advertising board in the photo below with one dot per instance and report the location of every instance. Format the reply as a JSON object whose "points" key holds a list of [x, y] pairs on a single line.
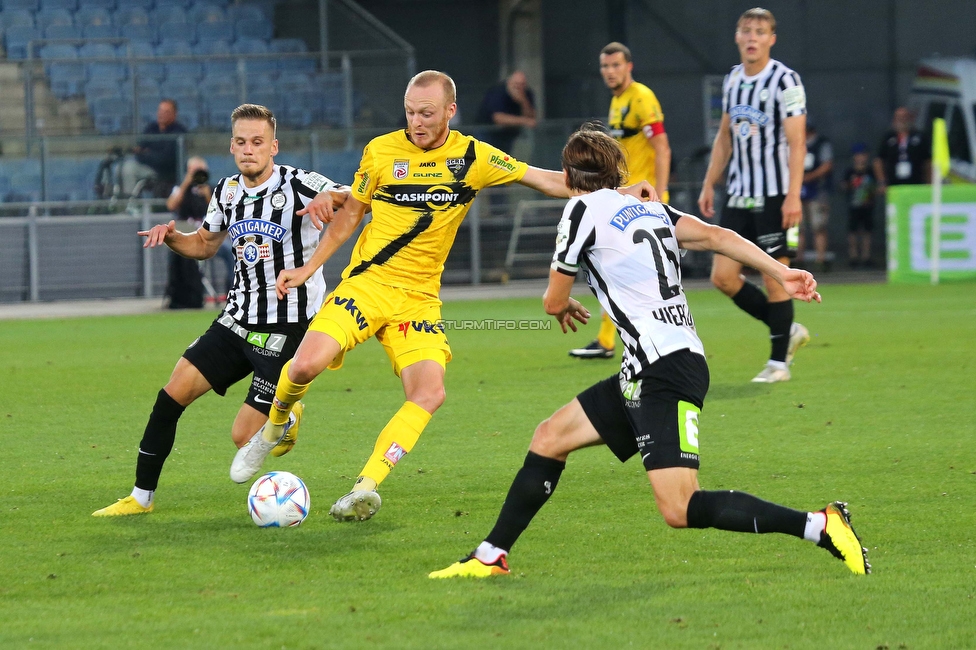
{"points": [[909, 221]]}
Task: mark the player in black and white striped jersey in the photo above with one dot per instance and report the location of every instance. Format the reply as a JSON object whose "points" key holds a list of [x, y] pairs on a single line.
{"points": [[652, 406], [763, 131], [273, 214]]}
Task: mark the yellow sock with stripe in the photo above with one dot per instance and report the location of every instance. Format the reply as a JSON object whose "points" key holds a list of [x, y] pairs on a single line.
{"points": [[608, 331], [286, 394], [396, 439]]}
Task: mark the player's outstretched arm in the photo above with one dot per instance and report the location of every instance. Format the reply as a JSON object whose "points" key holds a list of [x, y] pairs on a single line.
{"points": [[321, 209], [546, 181], [694, 234], [344, 223], [558, 303], [200, 244]]}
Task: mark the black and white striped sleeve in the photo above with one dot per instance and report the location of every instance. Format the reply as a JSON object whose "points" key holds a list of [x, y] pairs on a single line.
{"points": [[574, 236], [309, 184], [792, 96], [216, 220]]}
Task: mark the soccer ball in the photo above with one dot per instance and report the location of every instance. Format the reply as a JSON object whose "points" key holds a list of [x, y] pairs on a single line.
{"points": [[278, 499]]}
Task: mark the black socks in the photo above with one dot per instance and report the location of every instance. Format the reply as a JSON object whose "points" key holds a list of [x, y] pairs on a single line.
{"points": [[778, 316], [157, 441], [743, 513], [531, 488]]}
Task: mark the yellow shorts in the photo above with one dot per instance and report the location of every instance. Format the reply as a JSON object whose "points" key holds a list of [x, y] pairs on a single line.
{"points": [[406, 322]]}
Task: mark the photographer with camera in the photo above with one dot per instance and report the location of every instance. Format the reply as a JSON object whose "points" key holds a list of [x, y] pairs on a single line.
{"points": [[189, 201]]}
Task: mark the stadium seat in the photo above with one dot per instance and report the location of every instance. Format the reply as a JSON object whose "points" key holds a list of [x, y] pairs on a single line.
{"points": [[238, 12], [58, 51], [185, 32], [62, 31], [17, 39], [290, 81], [205, 12], [219, 108], [17, 5], [88, 15], [300, 110], [131, 14], [138, 32], [145, 5], [111, 116], [264, 96], [170, 14], [190, 70], [67, 79], [48, 5], [147, 72], [108, 5], [16, 18], [25, 186], [180, 88], [179, 4], [174, 48], [148, 104], [96, 51], [221, 66], [220, 84], [45, 19], [253, 29], [287, 46], [248, 46], [100, 88], [219, 30], [206, 46], [100, 31]]}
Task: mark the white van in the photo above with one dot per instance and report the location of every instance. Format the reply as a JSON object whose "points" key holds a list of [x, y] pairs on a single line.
{"points": [[946, 88]]}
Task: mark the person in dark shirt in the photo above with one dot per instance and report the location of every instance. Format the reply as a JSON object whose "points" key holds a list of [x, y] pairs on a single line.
{"points": [[860, 185], [509, 105], [904, 156], [188, 201], [159, 154]]}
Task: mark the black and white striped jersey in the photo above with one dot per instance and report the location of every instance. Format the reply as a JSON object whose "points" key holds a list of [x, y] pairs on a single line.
{"points": [[757, 107], [267, 237], [631, 255]]}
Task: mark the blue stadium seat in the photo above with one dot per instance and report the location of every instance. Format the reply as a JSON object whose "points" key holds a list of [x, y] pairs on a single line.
{"points": [[219, 84], [131, 15], [186, 32], [25, 186], [170, 14], [148, 104], [67, 79], [180, 88], [288, 46], [138, 32], [262, 65], [47, 5], [148, 73], [291, 80], [220, 66], [237, 12], [17, 40], [89, 15], [100, 31], [27, 5], [62, 31], [108, 5], [265, 96], [219, 31], [300, 110], [180, 4], [218, 109], [45, 19], [96, 51], [248, 46], [141, 4], [262, 80], [58, 51], [206, 12], [205, 47], [16, 18], [253, 29], [111, 116], [174, 48], [190, 70], [190, 115], [100, 88]]}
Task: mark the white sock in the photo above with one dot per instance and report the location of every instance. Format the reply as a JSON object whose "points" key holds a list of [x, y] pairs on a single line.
{"points": [[144, 497], [816, 523], [779, 365], [489, 554]]}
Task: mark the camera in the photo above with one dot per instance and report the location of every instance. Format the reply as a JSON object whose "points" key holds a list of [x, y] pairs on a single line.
{"points": [[201, 176]]}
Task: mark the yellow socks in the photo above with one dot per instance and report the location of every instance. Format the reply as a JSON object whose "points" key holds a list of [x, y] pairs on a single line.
{"points": [[286, 394], [396, 439], [608, 332]]}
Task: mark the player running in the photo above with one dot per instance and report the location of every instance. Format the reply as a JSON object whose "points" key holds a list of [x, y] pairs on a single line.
{"points": [[652, 406], [264, 210]]}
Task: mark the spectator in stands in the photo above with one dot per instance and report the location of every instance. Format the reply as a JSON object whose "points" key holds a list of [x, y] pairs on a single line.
{"points": [[159, 154], [818, 166], [904, 156], [860, 185], [189, 201], [509, 105]]}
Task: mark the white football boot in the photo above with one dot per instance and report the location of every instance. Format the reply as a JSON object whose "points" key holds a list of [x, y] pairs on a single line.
{"points": [[358, 505]]}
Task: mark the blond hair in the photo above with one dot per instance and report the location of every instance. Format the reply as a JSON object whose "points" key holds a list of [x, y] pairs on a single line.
{"points": [[429, 78], [758, 13], [254, 112]]}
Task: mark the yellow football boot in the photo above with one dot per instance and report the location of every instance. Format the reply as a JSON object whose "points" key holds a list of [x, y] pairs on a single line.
{"points": [[472, 567], [126, 506], [840, 539], [291, 431]]}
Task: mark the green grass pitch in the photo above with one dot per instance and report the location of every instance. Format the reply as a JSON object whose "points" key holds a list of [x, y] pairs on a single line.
{"points": [[880, 413]]}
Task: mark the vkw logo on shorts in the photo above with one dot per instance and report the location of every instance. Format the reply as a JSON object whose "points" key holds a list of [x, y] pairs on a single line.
{"points": [[400, 168]]}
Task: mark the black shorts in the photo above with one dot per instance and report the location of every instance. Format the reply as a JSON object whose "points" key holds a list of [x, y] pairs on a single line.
{"points": [[861, 219], [762, 225], [225, 356], [657, 416]]}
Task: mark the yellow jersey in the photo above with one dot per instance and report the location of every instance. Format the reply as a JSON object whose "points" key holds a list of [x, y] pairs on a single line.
{"points": [[418, 198], [635, 115]]}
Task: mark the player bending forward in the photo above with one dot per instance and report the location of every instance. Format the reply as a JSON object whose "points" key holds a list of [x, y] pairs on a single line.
{"points": [[652, 406]]}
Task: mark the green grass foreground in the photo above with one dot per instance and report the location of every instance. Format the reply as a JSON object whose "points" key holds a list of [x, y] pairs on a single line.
{"points": [[880, 413]]}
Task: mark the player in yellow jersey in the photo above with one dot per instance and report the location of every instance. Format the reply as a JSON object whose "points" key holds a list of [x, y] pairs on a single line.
{"points": [[418, 183], [637, 122]]}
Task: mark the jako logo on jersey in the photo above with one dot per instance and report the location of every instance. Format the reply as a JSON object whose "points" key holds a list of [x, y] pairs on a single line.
{"points": [[429, 163], [628, 214], [748, 113], [502, 162], [256, 227], [400, 168], [424, 326], [395, 453], [435, 197], [350, 305]]}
